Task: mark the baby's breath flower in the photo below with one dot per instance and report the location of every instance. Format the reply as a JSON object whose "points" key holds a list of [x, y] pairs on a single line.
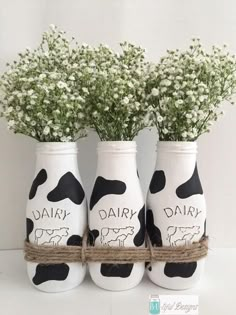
{"points": [[85, 90], [155, 92], [163, 90], [11, 123], [189, 93], [46, 130], [61, 85], [116, 106], [191, 86], [165, 82], [42, 76], [52, 27], [126, 100], [42, 92], [53, 75], [80, 115], [72, 78], [202, 98]]}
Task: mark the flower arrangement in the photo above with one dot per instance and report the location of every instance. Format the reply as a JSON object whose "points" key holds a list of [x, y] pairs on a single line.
{"points": [[185, 90], [43, 92], [116, 107]]}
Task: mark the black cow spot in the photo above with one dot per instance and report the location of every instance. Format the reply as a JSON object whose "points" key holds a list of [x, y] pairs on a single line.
{"points": [[116, 270], [103, 187], [153, 232], [67, 187], [140, 236], [158, 182], [39, 180], [45, 273], [191, 187], [204, 233], [183, 270], [93, 234], [148, 266], [74, 240], [29, 228], [137, 173]]}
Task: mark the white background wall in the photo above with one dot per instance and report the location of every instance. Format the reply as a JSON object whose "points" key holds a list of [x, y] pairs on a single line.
{"points": [[156, 25]]}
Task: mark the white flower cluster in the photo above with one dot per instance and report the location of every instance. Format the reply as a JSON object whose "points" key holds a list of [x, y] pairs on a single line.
{"points": [[56, 91], [43, 94], [185, 90], [117, 107]]}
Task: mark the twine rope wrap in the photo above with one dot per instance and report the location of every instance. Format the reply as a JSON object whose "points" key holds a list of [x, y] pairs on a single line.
{"points": [[45, 254]]}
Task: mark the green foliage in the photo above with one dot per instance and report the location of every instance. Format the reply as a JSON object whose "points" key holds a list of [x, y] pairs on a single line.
{"points": [[43, 93], [186, 88], [117, 107]]}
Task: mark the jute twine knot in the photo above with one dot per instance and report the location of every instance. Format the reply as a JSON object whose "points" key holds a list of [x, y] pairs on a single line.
{"points": [[46, 254]]}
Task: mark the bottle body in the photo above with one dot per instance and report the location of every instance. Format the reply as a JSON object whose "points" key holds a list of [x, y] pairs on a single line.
{"points": [[56, 214], [176, 212], [117, 213]]}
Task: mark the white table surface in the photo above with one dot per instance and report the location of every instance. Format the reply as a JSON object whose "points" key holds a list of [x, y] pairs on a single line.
{"points": [[216, 290]]}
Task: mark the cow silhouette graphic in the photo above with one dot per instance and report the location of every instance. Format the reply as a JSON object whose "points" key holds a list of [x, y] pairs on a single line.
{"points": [[117, 236], [178, 235], [50, 236]]}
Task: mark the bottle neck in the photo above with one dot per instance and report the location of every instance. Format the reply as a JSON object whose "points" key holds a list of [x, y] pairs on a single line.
{"points": [[177, 147], [176, 155], [56, 154], [115, 157], [56, 148]]}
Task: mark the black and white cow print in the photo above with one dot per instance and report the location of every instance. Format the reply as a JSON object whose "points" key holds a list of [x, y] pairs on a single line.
{"points": [[67, 187], [190, 187], [39, 180], [117, 218], [175, 217], [158, 182], [56, 272], [103, 187], [56, 215]]}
